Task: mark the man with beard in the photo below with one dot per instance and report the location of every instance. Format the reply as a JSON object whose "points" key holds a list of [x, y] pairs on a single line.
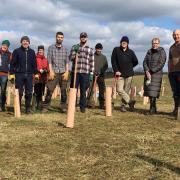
{"points": [[84, 69], [58, 72], [174, 70]]}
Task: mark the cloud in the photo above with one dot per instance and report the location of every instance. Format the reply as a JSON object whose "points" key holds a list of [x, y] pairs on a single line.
{"points": [[126, 10], [104, 21]]}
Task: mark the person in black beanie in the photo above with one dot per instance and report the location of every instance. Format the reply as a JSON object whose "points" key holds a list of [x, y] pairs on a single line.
{"points": [[23, 66], [100, 67], [123, 61]]}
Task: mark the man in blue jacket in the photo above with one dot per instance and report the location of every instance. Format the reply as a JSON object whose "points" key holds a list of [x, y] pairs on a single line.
{"points": [[23, 66]]}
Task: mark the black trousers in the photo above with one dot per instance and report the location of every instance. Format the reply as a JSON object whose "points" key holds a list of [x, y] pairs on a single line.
{"points": [[101, 85], [23, 82]]}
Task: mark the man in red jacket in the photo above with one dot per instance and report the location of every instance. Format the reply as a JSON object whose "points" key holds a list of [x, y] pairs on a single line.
{"points": [[43, 69]]}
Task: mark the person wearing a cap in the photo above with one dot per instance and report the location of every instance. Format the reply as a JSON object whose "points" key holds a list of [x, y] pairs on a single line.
{"points": [[23, 66], [123, 61], [84, 68], [58, 72], [5, 58], [174, 70], [100, 67], [43, 69]]}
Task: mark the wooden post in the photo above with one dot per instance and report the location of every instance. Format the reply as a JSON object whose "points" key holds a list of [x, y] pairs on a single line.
{"points": [[133, 93], [108, 101], [8, 101], [142, 91], [71, 108], [145, 100], [163, 88], [17, 111]]}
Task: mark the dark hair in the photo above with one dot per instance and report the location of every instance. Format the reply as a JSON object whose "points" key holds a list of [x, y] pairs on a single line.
{"points": [[59, 33], [98, 46]]}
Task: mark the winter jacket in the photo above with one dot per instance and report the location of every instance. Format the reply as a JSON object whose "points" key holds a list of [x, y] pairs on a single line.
{"points": [[100, 64], [23, 61], [42, 64], [154, 62], [123, 61], [5, 58]]}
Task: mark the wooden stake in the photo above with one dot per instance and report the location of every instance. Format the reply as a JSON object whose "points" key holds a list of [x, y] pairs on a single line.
{"points": [[163, 91], [108, 101], [145, 100], [71, 108], [17, 112], [8, 101]]}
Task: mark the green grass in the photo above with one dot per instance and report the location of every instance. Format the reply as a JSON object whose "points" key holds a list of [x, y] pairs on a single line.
{"points": [[130, 145]]}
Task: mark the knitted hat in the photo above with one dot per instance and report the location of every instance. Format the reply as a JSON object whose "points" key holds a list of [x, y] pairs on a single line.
{"points": [[6, 42], [40, 47], [83, 34], [25, 38], [98, 46], [125, 39]]}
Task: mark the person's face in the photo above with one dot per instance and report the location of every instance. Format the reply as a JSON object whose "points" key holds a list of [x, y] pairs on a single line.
{"points": [[98, 51], [176, 36], [25, 44], [83, 39], [4, 47], [41, 52], [155, 44], [124, 45], [59, 39]]}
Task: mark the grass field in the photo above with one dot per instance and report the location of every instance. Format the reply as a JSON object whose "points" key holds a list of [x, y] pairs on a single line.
{"points": [[130, 145]]}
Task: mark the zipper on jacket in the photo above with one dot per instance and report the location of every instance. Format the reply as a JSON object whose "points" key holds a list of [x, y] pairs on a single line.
{"points": [[26, 60]]}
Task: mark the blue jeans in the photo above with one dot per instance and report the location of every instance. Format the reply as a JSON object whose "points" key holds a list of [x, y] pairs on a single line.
{"points": [[82, 80], [3, 85], [174, 79]]}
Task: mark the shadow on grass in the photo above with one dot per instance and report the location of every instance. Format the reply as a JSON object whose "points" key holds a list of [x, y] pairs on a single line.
{"points": [[158, 163]]}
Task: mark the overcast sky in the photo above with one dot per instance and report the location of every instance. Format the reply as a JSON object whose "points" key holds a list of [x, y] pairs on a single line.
{"points": [[105, 21]]}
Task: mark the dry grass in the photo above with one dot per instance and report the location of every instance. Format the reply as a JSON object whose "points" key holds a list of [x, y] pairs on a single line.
{"points": [[129, 145]]}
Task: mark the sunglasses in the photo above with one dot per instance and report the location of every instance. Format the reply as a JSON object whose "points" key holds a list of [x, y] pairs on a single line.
{"points": [[83, 36]]}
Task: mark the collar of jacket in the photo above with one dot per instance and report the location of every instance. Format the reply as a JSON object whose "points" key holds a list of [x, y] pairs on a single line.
{"points": [[24, 48], [40, 56], [1, 51], [123, 50]]}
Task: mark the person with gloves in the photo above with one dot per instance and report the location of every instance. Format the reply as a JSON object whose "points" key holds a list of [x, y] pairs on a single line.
{"points": [[22, 68], [100, 67], [58, 72], [5, 58], [84, 69], [43, 70]]}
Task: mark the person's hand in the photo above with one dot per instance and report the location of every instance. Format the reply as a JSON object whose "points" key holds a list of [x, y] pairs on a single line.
{"points": [[36, 77], [96, 74], [41, 71], [76, 48], [51, 75], [148, 74], [12, 78], [90, 77], [117, 75], [65, 75]]}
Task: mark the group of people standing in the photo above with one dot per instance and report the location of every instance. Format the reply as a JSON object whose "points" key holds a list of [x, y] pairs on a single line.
{"points": [[28, 69]]}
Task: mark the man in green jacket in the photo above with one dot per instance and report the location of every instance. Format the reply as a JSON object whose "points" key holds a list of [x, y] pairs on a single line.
{"points": [[100, 67]]}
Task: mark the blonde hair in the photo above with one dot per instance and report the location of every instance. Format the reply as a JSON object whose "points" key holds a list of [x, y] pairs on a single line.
{"points": [[155, 39]]}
